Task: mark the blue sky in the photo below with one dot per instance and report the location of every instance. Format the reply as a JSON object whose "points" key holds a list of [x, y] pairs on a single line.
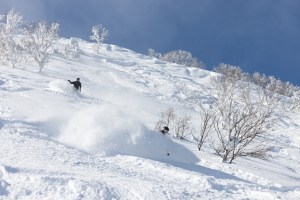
{"points": [[257, 35]]}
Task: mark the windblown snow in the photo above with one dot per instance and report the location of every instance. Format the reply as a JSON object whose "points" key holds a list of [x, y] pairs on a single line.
{"points": [[56, 143]]}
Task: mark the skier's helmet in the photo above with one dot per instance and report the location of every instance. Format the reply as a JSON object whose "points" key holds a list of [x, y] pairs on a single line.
{"points": [[78, 79]]}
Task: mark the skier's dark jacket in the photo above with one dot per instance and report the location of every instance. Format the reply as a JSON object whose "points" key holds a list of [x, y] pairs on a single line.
{"points": [[76, 84], [165, 130]]}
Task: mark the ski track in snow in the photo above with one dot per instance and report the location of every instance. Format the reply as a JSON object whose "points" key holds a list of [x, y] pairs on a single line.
{"points": [[35, 107]]}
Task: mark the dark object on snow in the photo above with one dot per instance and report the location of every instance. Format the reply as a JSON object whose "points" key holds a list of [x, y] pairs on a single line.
{"points": [[165, 130], [76, 84]]}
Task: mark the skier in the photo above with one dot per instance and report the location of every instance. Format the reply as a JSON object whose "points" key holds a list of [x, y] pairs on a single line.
{"points": [[165, 130], [76, 84]]}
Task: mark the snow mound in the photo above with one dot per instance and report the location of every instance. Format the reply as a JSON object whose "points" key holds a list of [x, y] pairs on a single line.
{"points": [[107, 131]]}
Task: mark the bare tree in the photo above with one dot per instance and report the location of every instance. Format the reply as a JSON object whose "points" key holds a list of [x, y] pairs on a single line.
{"points": [[11, 52], [182, 127], [39, 41], [179, 126], [167, 118], [241, 117], [208, 118], [100, 34]]}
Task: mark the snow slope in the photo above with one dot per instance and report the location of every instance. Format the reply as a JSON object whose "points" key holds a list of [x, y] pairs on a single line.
{"points": [[56, 143]]}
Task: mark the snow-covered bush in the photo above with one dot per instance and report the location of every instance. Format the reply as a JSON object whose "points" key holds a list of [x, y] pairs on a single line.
{"points": [[267, 83], [39, 41], [260, 79], [72, 49], [273, 84], [182, 57], [100, 34], [167, 118], [179, 126], [178, 56], [233, 72]]}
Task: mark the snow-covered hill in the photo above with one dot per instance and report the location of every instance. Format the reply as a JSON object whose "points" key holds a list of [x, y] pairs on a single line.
{"points": [[56, 143]]}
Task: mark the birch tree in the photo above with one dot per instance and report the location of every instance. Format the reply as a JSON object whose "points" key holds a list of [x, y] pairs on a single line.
{"points": [[11, 51], [241, 116], [39, 41], [100, 34]]}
